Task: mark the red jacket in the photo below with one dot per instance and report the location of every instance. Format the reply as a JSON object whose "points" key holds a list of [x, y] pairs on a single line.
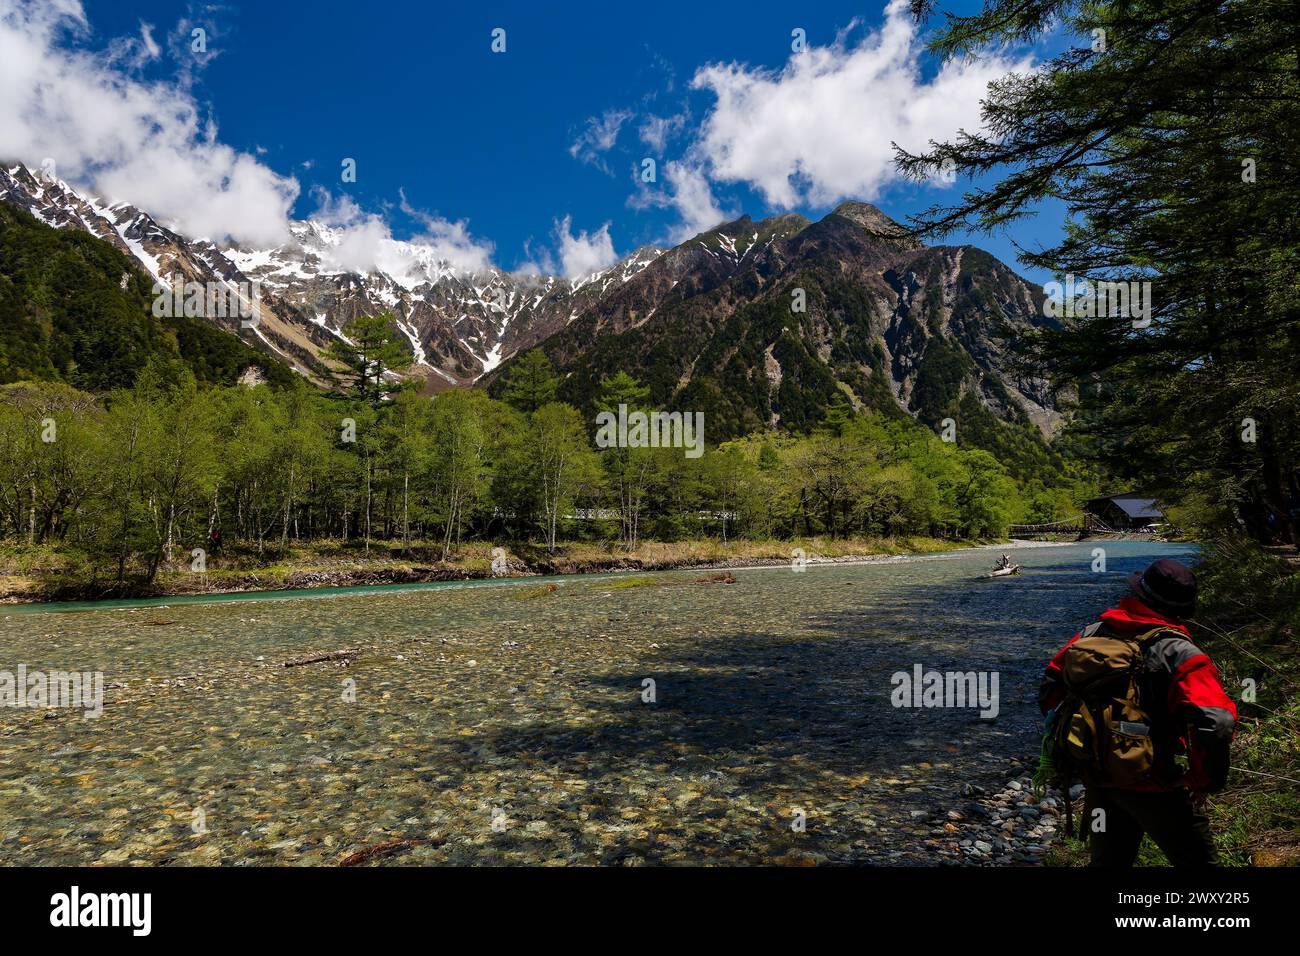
{"points": [[1199, 717]]}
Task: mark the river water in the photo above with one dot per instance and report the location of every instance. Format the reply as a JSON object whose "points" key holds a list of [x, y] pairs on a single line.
{"points": [[509, 723]]}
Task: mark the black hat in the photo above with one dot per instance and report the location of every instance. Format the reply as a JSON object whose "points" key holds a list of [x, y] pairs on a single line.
{"points": [[1168, 586]]}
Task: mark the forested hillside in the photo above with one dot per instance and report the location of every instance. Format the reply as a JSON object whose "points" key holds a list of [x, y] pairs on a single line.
{"points": [[74, 309], [766, 324]]}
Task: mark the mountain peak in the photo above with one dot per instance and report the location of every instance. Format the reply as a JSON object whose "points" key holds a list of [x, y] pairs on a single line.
{"points": [[872, 220]]}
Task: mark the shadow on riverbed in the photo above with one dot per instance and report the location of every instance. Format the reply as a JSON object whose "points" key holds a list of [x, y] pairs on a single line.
{"points": [[805, 718]]}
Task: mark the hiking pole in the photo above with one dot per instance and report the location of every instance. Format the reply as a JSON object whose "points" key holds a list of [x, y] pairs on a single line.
{"points": [[1260, 773], [1069, 806]]}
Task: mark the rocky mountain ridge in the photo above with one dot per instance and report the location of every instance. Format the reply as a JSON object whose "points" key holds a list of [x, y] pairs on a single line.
{"points": [[762, 323]]}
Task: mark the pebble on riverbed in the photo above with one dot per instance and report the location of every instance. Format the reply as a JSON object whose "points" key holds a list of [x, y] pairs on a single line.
{"points": [[1011, 827]]}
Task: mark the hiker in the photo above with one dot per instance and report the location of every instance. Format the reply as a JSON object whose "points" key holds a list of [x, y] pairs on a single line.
{"points": [[1137, 713]]}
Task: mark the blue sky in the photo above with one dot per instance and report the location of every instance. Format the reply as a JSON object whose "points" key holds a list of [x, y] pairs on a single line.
{"points": [[535, 154]]}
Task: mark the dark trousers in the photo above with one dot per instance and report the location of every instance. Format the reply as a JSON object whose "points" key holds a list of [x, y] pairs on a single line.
{"points": [[1170, 819]]}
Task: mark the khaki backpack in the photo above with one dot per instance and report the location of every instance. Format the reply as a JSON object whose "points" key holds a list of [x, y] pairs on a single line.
{"points": [[1102, 733]]}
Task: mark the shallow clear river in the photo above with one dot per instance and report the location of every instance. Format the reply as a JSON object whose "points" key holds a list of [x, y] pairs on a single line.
{"points": [[504, 724]]}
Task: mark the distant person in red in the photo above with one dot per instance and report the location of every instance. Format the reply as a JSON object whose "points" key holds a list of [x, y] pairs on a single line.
{"points": [[214, 541], [1184, 710]]}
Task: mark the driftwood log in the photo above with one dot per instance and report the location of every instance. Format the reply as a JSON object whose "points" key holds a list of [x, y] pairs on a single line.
{"points": [[388, 849], [347, 656], [724, 577]]}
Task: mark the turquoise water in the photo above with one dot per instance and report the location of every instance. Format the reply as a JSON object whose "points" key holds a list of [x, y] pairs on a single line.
{"points": [[63, 607], [501, 723]]}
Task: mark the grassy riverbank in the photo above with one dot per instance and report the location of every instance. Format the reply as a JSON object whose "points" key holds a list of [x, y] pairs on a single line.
{"points": [[1249, 622], [30, 574]]}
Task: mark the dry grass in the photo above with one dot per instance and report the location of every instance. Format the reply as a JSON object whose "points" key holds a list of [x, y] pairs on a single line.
{"points": [[35, 573]]}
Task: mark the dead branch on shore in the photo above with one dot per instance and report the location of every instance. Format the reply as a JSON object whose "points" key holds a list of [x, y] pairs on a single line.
{"points": [[345, 656], [388, 849], [725, 577]]}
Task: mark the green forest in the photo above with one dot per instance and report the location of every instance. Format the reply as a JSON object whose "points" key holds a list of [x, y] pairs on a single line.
{"points": [[134, 479]]}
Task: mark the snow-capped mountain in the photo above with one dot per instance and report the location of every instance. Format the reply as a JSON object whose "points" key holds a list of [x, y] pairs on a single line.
{"points": [[710, 323], [460, 324], [768, 323]]}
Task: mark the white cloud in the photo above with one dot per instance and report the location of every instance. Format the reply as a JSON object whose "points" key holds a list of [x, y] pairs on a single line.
{"points": [[654, 132], [689, 192], [538, 261], [133, 53], [363, 241], [449, 241], [361, 238], [535, 264], [123, 137], [599, 137], [820, 129], [584, 253], [144, 142], [693, 199], [573, 256]]}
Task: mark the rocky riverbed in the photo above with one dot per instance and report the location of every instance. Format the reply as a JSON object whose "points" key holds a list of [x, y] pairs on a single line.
{"points": [[674, 719], [1008, 826]]}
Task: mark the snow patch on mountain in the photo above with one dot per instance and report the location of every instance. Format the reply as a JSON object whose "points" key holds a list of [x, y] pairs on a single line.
{"points": [[462, 324]]}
